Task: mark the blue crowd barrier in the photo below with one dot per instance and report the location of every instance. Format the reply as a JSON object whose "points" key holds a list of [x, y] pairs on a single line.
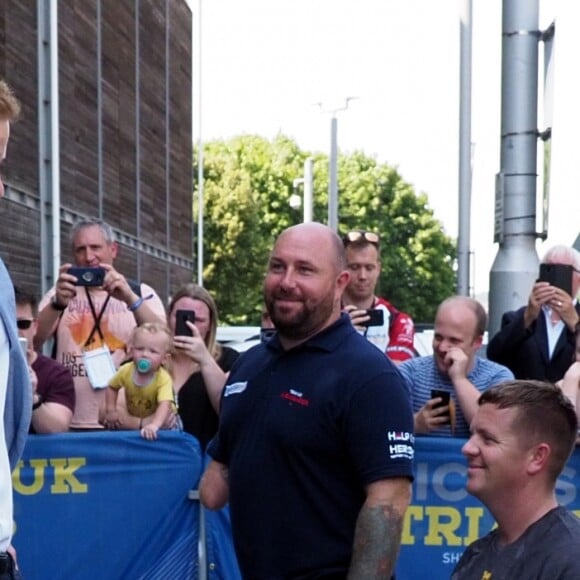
{"points": [[90, 506], [107, 505]]}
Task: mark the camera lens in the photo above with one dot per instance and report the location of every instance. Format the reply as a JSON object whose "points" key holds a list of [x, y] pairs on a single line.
{"points": [[88, 276]]}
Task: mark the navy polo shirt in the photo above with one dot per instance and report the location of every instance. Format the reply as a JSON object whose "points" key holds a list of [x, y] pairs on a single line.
{"points": [[302, 432]]}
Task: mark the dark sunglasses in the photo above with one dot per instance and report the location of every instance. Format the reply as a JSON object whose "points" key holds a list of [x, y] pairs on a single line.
{"points": [[24, 324], [359, 236]]}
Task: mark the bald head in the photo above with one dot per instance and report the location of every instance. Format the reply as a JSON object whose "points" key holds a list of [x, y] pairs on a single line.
{"points": [[464, 302], [320, 238], [305, 280]]}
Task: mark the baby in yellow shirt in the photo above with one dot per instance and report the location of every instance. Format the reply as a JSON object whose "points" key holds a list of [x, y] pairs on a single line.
{"points": [[148, 386]]}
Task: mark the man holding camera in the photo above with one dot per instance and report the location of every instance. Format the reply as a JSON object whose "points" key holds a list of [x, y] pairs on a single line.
{"points": [[375, 318], [537, 341], [91, 312]]}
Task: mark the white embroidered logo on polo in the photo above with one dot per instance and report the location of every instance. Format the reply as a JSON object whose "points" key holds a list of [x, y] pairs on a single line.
{"points": [[235, 388]]}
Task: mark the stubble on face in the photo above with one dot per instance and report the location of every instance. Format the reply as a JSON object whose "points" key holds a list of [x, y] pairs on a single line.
{"points": [[300, 285], [303, 318]]}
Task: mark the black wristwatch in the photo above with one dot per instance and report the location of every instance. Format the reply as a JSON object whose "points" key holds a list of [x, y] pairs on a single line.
{"points": [[56, 305]]}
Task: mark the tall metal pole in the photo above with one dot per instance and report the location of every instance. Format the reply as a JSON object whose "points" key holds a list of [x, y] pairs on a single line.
{"points": [[200, 200], [516, 264], [464, 237], [333, 175], [333, 164], [308, 189], [49, 142]]}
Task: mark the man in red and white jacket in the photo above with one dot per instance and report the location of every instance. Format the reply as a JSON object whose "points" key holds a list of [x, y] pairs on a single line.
{"points": [[389, 329]]}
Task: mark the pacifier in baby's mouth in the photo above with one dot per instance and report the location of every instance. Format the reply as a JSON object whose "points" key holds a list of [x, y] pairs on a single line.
{"points": [[143, 365]]}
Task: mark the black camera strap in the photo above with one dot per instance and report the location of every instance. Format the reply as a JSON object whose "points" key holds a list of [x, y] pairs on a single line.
{"points": [[96, 317]]}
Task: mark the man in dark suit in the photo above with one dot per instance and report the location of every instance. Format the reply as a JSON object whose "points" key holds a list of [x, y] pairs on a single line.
{"points": [[537, 341]]}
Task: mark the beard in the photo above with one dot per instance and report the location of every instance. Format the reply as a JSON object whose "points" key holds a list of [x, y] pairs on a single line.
{"points": [[302, 322]]}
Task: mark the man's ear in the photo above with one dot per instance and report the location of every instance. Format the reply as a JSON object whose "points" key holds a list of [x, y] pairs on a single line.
{"points": [[539, 457], [343, 280], [114, 249]]}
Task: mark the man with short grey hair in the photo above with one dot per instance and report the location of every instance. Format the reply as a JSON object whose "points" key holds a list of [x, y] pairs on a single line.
{"points": [[91, 312]]}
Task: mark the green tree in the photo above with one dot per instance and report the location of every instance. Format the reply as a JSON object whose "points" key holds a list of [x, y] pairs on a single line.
{"points": [[248, 181], [417, 257]]}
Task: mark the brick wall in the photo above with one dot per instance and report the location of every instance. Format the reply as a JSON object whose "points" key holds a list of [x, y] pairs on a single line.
{"points": [[137, 172]]}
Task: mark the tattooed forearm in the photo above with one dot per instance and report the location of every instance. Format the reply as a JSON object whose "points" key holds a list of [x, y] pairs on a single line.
{"points": [[376, 543]]}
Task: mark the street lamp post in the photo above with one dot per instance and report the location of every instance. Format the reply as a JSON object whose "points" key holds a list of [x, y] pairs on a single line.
{"points": [[307, 182], [333, 174], [333, 164]]}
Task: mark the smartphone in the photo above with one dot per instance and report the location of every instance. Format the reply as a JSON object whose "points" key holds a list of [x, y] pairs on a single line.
{"points": [[445, 395], [559, 275], [24, 346], [181, 316], [88, 276], [377, 317]]}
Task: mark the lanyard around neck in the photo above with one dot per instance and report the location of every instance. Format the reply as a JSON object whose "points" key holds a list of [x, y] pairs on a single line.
{"points": [[96, 317]]}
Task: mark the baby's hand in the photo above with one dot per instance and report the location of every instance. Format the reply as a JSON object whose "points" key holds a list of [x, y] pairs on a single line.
{"points": [[112, 420], [149, 432]]}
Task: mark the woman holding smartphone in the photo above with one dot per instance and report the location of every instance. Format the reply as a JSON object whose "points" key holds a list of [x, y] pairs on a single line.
{"points": [[200, 365]]}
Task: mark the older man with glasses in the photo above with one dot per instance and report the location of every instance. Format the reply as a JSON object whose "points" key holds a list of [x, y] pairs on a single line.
{"points": [[53, 390], [389, 329]]}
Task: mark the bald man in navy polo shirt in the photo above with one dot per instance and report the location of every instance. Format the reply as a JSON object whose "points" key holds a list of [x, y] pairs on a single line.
{"points": [[315, 445]]}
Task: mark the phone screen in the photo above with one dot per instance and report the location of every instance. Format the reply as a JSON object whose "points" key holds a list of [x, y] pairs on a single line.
{"points": [[559, 275], [377, 317], [181, 328], [445, 395]]}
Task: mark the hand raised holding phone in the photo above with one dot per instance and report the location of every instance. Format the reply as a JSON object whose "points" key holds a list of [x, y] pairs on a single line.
{"points": [[363, 318], [437, 412], [182, 317]]}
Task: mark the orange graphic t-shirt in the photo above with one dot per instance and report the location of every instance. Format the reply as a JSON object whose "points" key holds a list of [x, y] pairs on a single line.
{"points": [[73, 332]]}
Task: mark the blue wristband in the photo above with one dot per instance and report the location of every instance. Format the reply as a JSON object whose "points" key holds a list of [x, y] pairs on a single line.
{"points": [[138, 303]]}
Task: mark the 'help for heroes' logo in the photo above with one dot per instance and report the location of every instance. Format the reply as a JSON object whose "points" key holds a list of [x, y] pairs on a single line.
{"points": [[400, 444]]}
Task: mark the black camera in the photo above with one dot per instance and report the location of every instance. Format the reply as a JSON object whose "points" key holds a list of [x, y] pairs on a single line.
{"points": [[88, 276]]}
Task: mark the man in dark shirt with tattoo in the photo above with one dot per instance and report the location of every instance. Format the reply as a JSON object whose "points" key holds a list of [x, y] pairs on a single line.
{"points": [[315, 443], [522, 434]]}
